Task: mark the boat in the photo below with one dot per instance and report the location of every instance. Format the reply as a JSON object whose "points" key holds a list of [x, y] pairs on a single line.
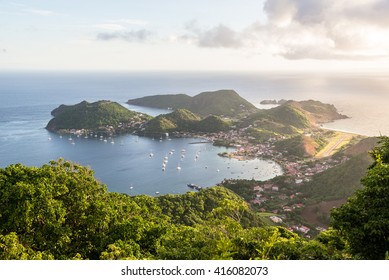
{"points": [[195, 187]]}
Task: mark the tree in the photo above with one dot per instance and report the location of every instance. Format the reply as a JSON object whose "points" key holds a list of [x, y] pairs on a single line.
{"points": [[364, 219]]}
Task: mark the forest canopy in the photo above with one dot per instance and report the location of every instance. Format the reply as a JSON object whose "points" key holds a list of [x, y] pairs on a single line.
{"points": [[60, 211]]}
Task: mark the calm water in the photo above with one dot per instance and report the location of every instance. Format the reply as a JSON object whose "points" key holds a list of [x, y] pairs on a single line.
{"points": [[26, 100]]}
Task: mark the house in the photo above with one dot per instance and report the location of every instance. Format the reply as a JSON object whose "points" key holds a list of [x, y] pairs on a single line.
{"points": [[258, 189], [275, 219], [287, 209], [303, 229]]}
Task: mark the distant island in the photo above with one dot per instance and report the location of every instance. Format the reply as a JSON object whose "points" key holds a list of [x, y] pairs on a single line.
{"points": [[220, 103]]}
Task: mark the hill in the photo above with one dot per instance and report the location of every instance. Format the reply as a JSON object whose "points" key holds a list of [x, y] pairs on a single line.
{"points": [[92, 116], [332, 187], [60, 211], [293, 124], [318, 112], [219, 103], [296, 114], [183, 120]]}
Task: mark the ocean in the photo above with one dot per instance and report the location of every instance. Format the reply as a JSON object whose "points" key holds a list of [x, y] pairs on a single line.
{"points": [[125, 166]]}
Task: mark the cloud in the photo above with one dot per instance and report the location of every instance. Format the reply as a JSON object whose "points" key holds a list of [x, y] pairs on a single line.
{"points": [[131, 36], [216, 37], [3, 50], [306, 29]]}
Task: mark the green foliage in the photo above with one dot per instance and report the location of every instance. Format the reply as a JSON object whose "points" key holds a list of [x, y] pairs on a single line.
{"points": [[12, 249], [338, 182], [380, 153], [87, 115], [294, 146], [212, 124], [60, 211], [321, 112], [164, 101], [364, 219], [222, 102], [183, 120]]}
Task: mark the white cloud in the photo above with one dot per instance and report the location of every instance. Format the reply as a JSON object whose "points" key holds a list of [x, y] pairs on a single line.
{"points": [[307, 29], [131, 36], [216, 37]]}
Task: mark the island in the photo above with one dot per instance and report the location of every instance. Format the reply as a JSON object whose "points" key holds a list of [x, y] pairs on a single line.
{"points": [[103, 117], [220, 103]]}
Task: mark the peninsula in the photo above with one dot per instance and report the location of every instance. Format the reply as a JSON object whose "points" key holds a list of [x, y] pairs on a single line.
{"points": [[104, 117]]}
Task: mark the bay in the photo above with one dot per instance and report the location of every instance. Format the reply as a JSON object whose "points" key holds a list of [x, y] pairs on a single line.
{"points": [[27, 99]]}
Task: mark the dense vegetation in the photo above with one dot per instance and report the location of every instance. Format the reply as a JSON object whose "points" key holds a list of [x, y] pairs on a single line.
{"points": [[219, 103], [87, 115], [59, 211], [182, 120], [338, 182], [364, 219], [292, 117]]}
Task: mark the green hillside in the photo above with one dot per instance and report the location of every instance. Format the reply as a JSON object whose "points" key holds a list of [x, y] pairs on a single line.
{"points": [[339, 182], [165, 101], [60, 211], [220, 103], [183, 120], [87, 115], [320, 112]]}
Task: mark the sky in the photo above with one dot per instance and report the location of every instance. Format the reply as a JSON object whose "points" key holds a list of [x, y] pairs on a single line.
{"points": [[195, 35]]}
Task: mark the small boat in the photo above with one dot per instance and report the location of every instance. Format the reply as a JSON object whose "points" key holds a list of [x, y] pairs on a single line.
{"points": [[195, 187]]}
